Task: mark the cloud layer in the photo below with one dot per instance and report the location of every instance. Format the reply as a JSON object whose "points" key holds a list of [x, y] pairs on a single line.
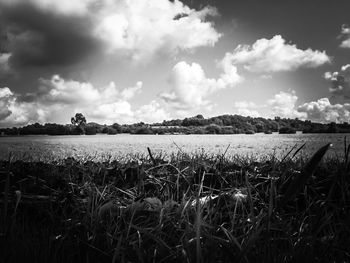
{"points": [[273, 55], [190, 88], [73, 38], [75, 30], [57, 99]]}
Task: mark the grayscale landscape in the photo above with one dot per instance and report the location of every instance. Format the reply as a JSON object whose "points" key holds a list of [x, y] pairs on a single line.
{"points": [[174, 131]]}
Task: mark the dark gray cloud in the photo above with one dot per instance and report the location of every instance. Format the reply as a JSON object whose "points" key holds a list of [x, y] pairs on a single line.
{"points": [[39, 38]]}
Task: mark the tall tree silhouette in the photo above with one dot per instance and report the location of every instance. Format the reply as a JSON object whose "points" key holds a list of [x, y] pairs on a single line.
{"points": [[79, 121]]}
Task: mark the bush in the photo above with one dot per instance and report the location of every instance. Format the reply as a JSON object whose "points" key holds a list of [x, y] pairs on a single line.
{"points": [[143, 130], [198, 130], [111, 131], [90, 130], [287, 130], [213, 129], [228, 130]]}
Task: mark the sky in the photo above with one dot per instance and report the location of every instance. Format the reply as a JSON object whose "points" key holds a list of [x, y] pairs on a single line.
{"points": [[126, 61]]}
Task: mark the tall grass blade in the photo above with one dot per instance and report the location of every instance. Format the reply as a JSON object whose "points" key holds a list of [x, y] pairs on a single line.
{"points": [[346, 154], [299, 149], [345, 151], [6, 196], [347, 166], [285, 157], [151, 156], [223, 155], [199, 222], [299, 182], [18, 199]]}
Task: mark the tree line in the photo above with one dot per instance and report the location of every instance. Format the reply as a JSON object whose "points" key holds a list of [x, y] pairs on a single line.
{"points": [[224, 124]]}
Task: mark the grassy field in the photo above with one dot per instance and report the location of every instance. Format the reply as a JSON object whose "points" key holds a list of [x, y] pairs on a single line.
{"points": [[183, 208]]}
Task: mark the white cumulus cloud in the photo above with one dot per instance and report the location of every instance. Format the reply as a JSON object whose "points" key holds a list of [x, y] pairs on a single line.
{"points": [[13, 112], [345, 67], [273, 55], [191, 87], [142, 28], [323, 111], [70, 92], [151, 113], [5, 101], [283, 104]]}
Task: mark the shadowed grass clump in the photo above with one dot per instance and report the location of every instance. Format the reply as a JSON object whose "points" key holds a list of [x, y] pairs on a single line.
{"points": [[184, 208]]}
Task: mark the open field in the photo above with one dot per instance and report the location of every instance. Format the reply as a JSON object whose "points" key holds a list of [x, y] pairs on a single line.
{"points": [[101, 147], [182, 208]]}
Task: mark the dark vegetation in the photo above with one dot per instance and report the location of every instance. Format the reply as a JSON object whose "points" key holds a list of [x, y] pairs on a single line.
{"points": [[186, 208], [225, 124]]}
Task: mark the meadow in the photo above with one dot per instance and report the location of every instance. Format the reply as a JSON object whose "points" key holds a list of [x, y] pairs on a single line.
{"points": [[101, 147], [177, 208]]}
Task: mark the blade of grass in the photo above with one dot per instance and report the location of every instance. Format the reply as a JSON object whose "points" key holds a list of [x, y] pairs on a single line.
{"points": [[6, 196], [299, 149], [151, 156], [285, 157], [345, 150], [298, 183], [198, 222]]}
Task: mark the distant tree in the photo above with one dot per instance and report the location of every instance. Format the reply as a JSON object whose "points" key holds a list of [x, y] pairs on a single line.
{"points": [[213, 129], [56, 129], [79, 121], [332, 127], [217, 121], [104, 130], [117, 127], [287, 130], [111, 131], [227, 130], [143, 130], [195, 121], [177, 122], [198, 130], [89, 130]]}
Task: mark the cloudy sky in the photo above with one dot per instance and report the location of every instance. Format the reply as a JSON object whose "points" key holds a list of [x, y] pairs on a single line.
{"points": [[127, 61]]}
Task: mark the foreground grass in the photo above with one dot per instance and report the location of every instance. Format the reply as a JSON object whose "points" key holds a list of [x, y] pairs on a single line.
{"points": [[185, 208]]}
